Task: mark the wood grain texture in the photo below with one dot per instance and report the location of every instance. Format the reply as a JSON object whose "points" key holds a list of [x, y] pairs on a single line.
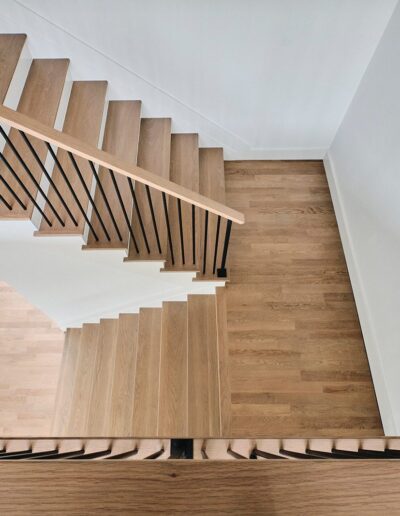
{"points": [[154, 156], [40, 100], [147, 380], [185, 172], [203, 366], [201, 487], [123, 382], [66, 379], [11, 46], [31, 348], [87, 151], [82, 121], [297, 357], [173, 398], [121, 138]]}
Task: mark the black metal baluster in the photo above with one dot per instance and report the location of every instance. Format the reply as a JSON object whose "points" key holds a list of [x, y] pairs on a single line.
{"points": [[12, 193], [194, 234], [153, 217], [164, 198], [221, 272], [138, 214], [77, 170], [5, 203], [235, 454], [216, 243], [103, 194], [205, 242], [121, 202], [298, 455], [181, 230], [63, 455], [123, 455], [25, 189], [32, 177], [155, 455], [266, 455], [93, 455], [50, 180]]}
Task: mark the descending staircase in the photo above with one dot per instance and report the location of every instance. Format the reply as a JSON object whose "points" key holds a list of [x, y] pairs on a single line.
{"points": [[162, 372]]}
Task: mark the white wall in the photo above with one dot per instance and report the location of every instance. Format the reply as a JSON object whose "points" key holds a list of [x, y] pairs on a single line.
{"points": [[262, 78], [363, 164]]}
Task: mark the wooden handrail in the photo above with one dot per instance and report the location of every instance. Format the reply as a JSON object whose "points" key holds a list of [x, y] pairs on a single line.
{"points": [[69, 143]]}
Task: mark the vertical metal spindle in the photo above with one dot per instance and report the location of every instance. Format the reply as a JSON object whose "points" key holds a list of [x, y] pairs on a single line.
{"points": [[23, 206], [181, 230], [153, 218], [5, 203], [164, 198], [221, 272], [205, 242], [79, 173], [133, 193], [194, 234], [121, 202], [216, 243]]}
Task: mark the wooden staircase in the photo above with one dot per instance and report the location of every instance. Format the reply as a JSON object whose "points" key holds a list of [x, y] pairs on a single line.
{"points": [[162, 372]]}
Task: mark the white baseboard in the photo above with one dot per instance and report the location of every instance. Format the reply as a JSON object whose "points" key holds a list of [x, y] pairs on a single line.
{"points": [[366, 321]]}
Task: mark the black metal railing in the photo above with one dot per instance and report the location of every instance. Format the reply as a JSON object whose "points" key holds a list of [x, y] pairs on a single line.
{"points": [[68, 191]]}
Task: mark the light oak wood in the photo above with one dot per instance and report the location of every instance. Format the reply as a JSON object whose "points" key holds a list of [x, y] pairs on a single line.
{"points": [[66, 379], [121, 138], [122, 411], [40, 100], [87, 151], [82, 121], [203, 378], [104, 369], [85, 377], [154, 156], [184, 171], [224, 375], [173, 398], [11, 46], [147, 380], [202, 487], [297, 358]]}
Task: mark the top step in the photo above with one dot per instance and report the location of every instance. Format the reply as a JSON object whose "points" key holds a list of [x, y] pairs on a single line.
{"points": [[11, 46]]}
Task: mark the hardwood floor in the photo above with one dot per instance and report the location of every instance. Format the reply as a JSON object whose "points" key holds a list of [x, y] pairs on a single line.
{"points": [[31, 347], [297, 359]]}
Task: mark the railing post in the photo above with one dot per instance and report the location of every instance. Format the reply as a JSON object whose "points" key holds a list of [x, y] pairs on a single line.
{"points": [[221, 272]]}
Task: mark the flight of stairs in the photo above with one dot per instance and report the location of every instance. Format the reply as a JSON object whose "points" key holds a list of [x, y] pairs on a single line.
{"points": [[162, 372]]}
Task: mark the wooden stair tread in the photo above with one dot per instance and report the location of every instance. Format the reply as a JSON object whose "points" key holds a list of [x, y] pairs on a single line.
{"points": [[123, 384], [40, 100], [212, 185], [66, 381], [147, 381], [203, 378], [173, 400], [11, 46], [84, 381], [100, 398], [154, 156], [184, 171], [82, 120], [121, 138]]}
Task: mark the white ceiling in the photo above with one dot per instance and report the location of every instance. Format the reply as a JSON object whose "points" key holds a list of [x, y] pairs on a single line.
{"points": [[264, 78]]}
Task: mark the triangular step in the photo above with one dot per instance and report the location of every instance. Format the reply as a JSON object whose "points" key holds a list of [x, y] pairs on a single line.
{"points": [[11, 46], [40, 100], [83, 121], [121, 138]]}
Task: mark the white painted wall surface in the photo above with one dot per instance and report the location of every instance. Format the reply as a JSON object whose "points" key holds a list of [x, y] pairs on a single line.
{"points": [[363, 164], [262, 78]]}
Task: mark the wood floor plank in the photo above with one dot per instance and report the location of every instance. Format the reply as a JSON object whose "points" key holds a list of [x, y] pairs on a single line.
{"points": [[122, 411], [184, 171], [104, 366], [84, 381], [40, 100], [121, 138], [154, 156], [203, 367], [82, 120], [66, 381], [223, 362], [173, 400], [147, 380], [11, 46]]}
